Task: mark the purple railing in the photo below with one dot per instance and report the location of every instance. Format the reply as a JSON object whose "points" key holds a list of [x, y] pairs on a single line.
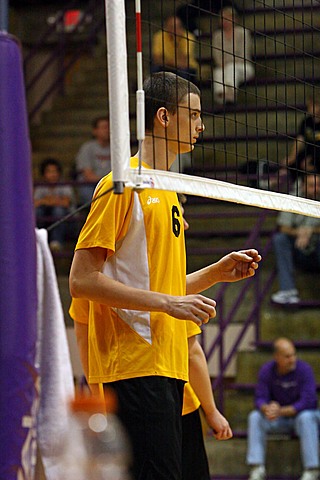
{"points": [[253, 316]]}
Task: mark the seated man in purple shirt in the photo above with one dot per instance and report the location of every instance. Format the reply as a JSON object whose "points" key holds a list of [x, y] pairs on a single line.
{"points": [[286, 402]]}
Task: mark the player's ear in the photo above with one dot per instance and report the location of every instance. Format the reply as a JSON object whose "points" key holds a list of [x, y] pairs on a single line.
{"points": [[163, 116]]}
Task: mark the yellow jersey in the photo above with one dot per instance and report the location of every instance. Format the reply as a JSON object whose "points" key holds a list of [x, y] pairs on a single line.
{"points": [[142, 233]]}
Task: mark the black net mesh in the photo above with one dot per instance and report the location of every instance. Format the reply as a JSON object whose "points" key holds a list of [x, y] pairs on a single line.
{"points": [[257, 66]]}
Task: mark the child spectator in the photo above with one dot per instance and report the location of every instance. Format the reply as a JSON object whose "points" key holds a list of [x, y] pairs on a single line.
{"points": [[52, 201]]}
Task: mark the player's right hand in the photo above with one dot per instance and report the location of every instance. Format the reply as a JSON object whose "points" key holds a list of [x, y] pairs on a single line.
{"points": [[197, 308]]}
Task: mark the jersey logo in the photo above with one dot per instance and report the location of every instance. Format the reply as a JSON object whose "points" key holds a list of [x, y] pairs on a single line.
{"points": [[151, 200]]}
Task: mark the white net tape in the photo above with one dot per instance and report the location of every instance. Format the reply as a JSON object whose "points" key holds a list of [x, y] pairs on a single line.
{"points": [[216, 189]]}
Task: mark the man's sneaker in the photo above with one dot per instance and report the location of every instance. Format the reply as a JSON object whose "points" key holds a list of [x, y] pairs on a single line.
{"points": [[259, 473], [310, 475], [284, 297]]}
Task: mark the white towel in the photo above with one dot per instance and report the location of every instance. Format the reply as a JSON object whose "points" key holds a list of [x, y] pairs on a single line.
{"points": [[54, 364]]}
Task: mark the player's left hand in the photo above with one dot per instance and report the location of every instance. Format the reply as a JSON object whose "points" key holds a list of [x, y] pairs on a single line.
{"points": [[220, 425], [238, 265]]}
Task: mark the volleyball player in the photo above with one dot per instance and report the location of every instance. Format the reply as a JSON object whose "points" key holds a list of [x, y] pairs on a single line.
{"points": [[130, 264]]}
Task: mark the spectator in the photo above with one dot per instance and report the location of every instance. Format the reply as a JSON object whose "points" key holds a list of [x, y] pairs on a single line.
{"points": [[305, 152], [173, 50], [297, 242], [232, 54], [93, 161], [286, 402], [52, 201]]}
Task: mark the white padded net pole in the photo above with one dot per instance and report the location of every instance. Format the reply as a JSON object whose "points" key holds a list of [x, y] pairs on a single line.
{"points": [[118, 91]]}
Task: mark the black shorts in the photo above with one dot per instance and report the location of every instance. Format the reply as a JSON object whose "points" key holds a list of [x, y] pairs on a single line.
{"points": [[194, 457], [150, 410]]}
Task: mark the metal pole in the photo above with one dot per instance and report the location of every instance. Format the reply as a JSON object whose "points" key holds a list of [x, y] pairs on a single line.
{"points": [[118, 91], [4, 16]]}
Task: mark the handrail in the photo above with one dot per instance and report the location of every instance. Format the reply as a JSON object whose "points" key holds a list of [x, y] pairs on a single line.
{"points": [[58, 53], [225, 321]]}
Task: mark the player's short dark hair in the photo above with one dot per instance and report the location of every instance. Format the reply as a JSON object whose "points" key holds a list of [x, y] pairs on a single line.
{"points": [[165, 89]]}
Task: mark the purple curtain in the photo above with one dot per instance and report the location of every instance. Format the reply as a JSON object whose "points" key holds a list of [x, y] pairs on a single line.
{"points": [[18, 292]]}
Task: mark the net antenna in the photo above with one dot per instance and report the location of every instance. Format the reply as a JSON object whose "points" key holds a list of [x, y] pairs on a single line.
{"points": [[140, 92], [118, 91]]}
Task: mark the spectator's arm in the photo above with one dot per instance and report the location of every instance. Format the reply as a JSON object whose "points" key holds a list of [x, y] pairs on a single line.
{"points": [[308, 390], [292, 231], [262, 392], [89, 175], [287, 411]]}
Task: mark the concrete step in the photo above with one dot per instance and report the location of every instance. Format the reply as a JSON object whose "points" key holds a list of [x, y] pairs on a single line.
{"points": [[66, 158], [278, 93], [63, 128], [280, 20], [228, 459], [78, 101], [251, 5], [71, 143], [301, 323], [264, 93], [249, 363], [80, 117], [234, 152], [252, 123], [288, 67], [74, 101], [237, 406], [235, 221], [298, 42]]}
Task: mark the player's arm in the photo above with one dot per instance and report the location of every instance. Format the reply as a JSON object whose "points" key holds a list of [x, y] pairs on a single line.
{"points": [[200, 382], [81, 333], [230, 268], [87, 281]]}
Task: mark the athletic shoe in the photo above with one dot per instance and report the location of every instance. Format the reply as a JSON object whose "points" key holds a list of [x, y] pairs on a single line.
{"points": [[284, 297], [259, 473], [310, 475]]}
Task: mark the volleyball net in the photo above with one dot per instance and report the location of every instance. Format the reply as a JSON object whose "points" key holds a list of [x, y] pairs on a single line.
{"points": [[261, 114]]}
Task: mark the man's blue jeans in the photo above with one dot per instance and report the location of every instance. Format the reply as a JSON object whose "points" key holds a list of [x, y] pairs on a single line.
{"points": [[304, 425], [287, 256]]}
